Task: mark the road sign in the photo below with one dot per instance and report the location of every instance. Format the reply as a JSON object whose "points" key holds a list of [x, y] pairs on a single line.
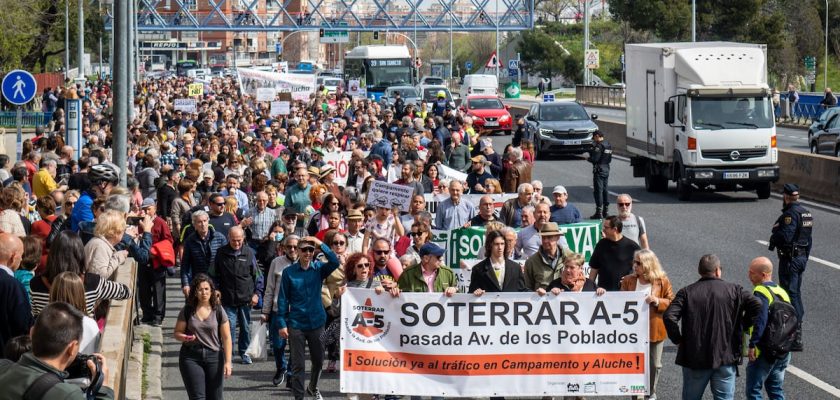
{"points": [[548, 98], [278, 48], [592, 59], [493, 62], [513, 72], [513, 64], [468, 64], [512, 90], [19, 87]]}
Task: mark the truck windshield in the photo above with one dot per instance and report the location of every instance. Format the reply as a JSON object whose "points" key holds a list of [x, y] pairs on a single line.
{"points": [[731, 113]]}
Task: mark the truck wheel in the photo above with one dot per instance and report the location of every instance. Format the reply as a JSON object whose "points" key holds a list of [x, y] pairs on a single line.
{"points": [[655, 183], [683, 190], [763, 190]]}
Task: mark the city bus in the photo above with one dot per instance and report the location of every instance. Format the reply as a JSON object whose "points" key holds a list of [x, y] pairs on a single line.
{"points": [[183, 66], [378, 67]]}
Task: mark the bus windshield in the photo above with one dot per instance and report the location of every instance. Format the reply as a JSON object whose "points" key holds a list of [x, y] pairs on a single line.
{"points": [[714, 113], [382, 77]]}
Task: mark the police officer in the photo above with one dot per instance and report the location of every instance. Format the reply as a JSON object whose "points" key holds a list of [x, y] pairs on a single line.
{"points": [[600, 156], [440, 106], [791, 238]]}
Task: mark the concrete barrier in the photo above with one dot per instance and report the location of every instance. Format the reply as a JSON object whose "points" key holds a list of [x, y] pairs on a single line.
{"points": [[818, 176], [116, 340]]}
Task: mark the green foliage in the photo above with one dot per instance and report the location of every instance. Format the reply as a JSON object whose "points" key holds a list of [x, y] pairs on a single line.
{"points": [[542, 55]]}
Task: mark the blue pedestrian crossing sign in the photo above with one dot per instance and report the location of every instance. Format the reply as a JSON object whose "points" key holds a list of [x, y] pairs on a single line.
{"points": [[19, 87], [468, 64]]}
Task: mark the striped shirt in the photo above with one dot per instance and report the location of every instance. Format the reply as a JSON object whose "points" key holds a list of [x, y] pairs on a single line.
{"points": [[96, 289], [262, 222]]}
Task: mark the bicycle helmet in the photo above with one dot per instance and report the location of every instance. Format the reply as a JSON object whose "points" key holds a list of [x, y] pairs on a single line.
{"points": [[103, 173]]}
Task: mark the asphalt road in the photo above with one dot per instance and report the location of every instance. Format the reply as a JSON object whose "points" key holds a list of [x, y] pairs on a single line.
{"points": [[731, 225], [787, 138]]}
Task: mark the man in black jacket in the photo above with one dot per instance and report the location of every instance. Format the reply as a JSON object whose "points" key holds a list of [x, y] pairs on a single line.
{"points": [[240, 282], [714, 314]]}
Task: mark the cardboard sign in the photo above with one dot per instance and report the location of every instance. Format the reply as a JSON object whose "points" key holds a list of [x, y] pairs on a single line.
{"points": [[185, 105], [390, 195], [449, 173], [196, 89], [341, 162], [266, 94]]}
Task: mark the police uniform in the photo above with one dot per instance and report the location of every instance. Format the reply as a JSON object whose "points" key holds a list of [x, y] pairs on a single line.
{"points": [[791, 238], [600, 156]]}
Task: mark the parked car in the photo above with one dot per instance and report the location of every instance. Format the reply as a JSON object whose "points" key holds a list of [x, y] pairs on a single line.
{"points": [[488, 113], [560, 127], [408, 94], [820, 122], [330, 83], [825, 139]]}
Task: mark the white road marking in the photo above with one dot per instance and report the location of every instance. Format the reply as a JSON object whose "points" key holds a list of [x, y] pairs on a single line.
{"points": [[810, 258], [814, 381], [635, 200]]}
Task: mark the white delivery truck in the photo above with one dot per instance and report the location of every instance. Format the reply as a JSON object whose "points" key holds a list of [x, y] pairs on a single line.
{"points": [[701, 114]]}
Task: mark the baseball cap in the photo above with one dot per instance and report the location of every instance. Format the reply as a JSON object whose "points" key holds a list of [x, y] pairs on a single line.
{"points": [[431, 249], [560, 189], [147, 202]]}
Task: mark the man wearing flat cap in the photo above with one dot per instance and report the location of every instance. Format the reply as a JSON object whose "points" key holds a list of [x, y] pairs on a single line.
{"points": [[430, 275], [791, 238]]}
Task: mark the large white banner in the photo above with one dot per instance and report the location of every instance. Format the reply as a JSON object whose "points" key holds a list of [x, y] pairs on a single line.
{"points": [[299, 85], [500, 344], [432, 200]]}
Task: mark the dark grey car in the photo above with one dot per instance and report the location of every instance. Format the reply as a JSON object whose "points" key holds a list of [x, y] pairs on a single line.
{"points": [[560, 127]]}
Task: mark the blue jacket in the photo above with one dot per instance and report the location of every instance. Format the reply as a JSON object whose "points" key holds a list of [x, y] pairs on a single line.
{"points": [[81, 211], [299, 299], [383, 149], [199, 254]]}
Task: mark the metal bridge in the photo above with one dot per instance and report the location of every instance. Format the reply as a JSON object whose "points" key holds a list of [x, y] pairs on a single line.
{"points": [[344, 15]]}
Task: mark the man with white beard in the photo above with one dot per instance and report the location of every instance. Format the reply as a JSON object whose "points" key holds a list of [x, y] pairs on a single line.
{"points": [[634, 225]]}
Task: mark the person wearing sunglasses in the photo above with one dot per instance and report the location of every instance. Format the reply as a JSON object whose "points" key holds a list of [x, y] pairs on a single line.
{"points": [[633, 225], [420, 235], [287, 255], [300, 313], [331, 293]]}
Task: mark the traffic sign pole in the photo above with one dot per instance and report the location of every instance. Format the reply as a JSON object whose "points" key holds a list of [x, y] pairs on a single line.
{"points": [[19, 122]]}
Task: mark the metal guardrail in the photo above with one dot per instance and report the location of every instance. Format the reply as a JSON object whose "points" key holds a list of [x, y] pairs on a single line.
{"points": [[600, 95], [8, 119], [118, 334]]}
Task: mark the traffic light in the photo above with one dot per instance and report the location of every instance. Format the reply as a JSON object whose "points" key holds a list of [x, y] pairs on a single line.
{"points": [[375, 35], [321, 32]]}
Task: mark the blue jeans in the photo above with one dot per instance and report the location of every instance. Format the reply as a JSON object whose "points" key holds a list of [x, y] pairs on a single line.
{"points": [[278, 344], [240, 315], [722, 380], [769, 373]]}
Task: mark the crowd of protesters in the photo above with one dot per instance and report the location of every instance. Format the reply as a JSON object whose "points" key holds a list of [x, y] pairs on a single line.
{"points": [[243, 207]]}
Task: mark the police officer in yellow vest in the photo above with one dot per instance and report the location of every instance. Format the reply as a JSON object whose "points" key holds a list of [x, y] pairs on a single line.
{"points": [[762, 369]]}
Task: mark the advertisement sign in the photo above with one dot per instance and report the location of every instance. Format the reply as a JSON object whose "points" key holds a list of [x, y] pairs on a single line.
{"points": [[341, 162], [390, 195], [499, 344]]}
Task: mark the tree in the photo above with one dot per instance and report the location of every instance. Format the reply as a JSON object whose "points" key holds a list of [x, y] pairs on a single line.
{"points": [[540, 53]]}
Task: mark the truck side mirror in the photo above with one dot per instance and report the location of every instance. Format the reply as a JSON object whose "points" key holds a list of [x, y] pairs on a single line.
{"points": [[669, 112]]}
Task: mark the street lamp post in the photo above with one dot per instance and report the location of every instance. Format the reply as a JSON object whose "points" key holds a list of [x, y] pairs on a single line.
{"points": [[413, 44], [694, 20], [585, 40], [825, 60], [66, 39], [80, 52]]}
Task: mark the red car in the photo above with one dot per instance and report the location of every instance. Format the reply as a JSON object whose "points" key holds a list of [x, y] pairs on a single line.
{"points": [[488, 113]]}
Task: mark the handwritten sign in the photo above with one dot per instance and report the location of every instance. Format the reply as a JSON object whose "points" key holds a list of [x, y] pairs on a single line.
{"points": [[185, 105], [266, 94], [281, 108], [196, 89], [390, 195]]}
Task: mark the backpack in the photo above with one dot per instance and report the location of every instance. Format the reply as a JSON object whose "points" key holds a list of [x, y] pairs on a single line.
{"points": [[780, 332]]}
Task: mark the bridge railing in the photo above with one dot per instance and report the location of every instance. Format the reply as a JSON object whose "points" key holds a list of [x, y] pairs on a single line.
{"points": [[600, 95], [8, 119]]}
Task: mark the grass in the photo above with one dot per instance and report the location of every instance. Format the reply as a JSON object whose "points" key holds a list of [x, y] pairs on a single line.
{"points": [[147, 348]]}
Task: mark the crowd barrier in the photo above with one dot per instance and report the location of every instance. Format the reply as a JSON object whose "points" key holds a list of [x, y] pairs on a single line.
{"points": [[117, 336], [8, 119]]}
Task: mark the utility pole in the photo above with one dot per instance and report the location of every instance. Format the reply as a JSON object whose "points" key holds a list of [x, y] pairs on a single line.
{"points": [[80, 52], [585, 40], [121, 88], [498, 55], [693, 20], [100, 43], [66, 39]]}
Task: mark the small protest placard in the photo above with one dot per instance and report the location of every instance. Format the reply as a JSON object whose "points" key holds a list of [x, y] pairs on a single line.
{"points": [[280, 108], [390, 195], [196, 89], [185, 105], [266, 94]]}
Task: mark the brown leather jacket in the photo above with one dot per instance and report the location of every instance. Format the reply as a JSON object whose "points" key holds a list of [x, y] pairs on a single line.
{"points": [[514, 175], [660, 289]]}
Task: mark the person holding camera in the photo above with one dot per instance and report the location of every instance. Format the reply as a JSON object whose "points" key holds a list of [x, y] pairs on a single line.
{"points": [[55, 357]]}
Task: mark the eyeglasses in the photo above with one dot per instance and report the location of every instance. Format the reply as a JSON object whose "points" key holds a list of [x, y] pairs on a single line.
{"points": [[339, 243], [70, 203], [415, 233], [219, 204], [381, 252], [291, 248], [624, 204], [307, 250], [363, 266], [335, 203]]}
